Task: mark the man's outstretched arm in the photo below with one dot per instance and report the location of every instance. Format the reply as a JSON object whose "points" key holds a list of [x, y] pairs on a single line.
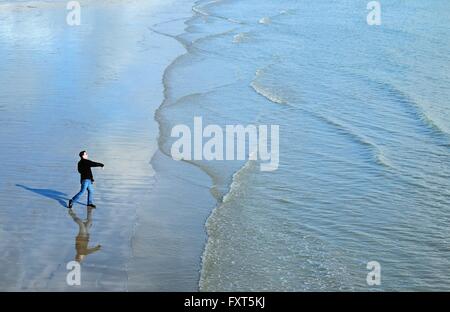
{"points": [[95, 164]]}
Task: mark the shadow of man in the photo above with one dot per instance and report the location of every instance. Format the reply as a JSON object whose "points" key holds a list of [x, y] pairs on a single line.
{"points": [[56, 195], [82, 239]]}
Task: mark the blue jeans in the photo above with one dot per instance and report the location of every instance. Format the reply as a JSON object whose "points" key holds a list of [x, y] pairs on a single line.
{"points": [[85, 185]]}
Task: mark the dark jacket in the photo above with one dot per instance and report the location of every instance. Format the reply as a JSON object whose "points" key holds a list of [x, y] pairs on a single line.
{"points": [[84, 168]]}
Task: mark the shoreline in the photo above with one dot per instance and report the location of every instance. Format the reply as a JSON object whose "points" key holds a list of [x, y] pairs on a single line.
{"points": [[158, 118], [169, 101], [220, 187]]}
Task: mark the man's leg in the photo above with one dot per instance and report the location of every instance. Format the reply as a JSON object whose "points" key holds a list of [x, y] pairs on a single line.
{"points": [[84, 186], [90, 189]]}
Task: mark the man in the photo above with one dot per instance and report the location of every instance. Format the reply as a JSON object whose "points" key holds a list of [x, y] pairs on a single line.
{"points": [[86, 179]]}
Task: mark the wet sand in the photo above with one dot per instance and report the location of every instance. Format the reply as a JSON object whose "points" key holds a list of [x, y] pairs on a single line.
{"points": [[96, 87]]}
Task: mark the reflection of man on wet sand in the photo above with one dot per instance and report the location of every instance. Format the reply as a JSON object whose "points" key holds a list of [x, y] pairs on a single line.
{"points": [[82, 239]]}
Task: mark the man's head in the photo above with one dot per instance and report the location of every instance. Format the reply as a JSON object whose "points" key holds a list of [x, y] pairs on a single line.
{"points": [[83, 155]]}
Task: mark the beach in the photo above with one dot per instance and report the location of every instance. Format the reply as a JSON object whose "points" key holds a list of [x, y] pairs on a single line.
{"points": [[363, 170], [96, 87]]}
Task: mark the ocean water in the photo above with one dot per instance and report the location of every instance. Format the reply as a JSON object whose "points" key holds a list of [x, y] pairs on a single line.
{"points": [[364, 121]]}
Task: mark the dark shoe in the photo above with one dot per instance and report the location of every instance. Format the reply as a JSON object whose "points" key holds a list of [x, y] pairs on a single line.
{"points": [[91, 205], [70, 204]]}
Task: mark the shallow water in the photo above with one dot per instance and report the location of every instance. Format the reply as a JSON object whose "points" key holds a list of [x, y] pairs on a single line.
{"points": [[364, 142]]}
